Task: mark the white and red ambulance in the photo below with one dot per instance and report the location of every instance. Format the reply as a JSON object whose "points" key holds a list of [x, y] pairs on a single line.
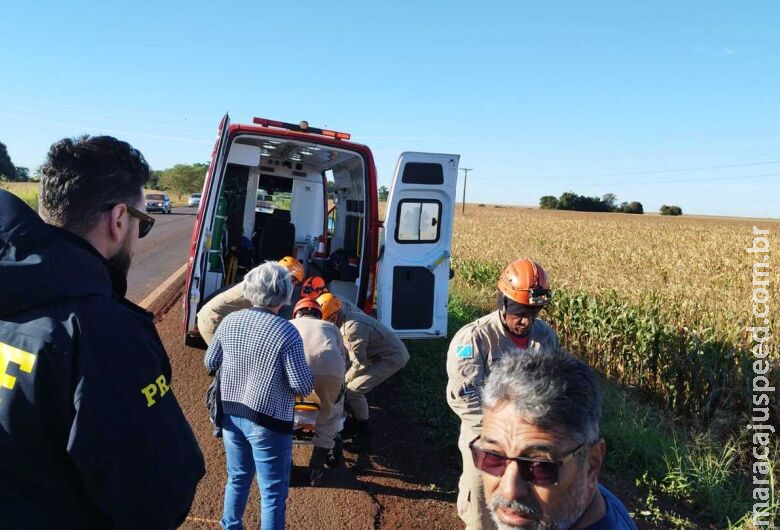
{"points": [[326, 213]]}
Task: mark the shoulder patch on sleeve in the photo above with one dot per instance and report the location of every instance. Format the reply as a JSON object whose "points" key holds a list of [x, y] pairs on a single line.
{"points": [[464, 351]]}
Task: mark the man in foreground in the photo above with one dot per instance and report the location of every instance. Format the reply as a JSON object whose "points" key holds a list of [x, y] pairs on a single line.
{"points": [[327, 361], [91, 435], [540, 451], [523, 291]]}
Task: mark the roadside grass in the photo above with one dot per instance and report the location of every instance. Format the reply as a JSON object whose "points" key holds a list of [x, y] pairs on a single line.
{"points": [[27, 191], [666, 458]]}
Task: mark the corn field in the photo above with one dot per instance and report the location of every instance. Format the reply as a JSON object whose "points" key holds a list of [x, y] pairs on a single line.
{"points": [[658, 303]]}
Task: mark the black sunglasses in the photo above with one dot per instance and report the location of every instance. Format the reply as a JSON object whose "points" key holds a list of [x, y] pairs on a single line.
{"points": [[145, 221], [537, 471]]}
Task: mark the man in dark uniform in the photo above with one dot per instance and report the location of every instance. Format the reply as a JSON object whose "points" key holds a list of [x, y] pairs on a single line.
{"points": [[91, 435]]}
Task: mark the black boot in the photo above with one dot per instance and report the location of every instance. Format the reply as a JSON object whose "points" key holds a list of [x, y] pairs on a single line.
{"points": [[350, 428], [335, 455], [362, 439], [317, 466]]}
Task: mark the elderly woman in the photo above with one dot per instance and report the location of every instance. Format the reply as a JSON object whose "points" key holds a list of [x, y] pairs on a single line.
{"points": [[263, 368]]}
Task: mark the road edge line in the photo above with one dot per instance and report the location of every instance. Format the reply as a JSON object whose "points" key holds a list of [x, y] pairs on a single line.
{"points": [[163, 296]]}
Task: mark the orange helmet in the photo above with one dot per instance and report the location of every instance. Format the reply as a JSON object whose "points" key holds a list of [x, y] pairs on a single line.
{"points": [[313, 287], [294, 267], [330, 305], [306, 303], [525, 282]]}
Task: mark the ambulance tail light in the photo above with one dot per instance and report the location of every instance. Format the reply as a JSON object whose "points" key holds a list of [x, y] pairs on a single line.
{"points": [[335, 134]]}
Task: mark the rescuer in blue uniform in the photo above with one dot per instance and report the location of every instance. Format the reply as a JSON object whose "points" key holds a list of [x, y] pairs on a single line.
{"points": [[91, 435]]}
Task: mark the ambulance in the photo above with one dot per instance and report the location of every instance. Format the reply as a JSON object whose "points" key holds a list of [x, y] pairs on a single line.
{"points": [[326, 213]]}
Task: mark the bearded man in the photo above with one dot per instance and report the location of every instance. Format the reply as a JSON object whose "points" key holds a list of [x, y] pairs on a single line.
{"points": [[540, 451], [91, 435]]}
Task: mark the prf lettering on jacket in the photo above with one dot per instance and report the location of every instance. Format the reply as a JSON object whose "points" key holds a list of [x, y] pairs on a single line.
{"points": [[9, 354], [158, 388]]}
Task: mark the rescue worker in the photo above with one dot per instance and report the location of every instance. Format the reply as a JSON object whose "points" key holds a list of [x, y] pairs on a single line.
{"points": [[295, 269], [327, 360], [523, 291], [375, 354], [91, 434], [232, 299], [313, 288]]}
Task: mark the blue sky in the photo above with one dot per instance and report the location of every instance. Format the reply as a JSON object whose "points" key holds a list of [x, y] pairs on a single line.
{"points": [[661, 102]]}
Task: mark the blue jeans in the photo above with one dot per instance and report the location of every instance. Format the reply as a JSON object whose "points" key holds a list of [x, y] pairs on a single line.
{"points": [[249, 446]]}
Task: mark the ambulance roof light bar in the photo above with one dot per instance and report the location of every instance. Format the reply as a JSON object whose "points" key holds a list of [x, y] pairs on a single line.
{"points": [[301, 127]]}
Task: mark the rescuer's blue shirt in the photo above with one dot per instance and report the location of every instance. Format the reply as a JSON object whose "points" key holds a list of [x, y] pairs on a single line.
{"points": [[91, 435]]}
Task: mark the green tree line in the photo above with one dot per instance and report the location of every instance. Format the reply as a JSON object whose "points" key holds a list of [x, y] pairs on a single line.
{"points": [[608, 203], [582, 203], [181, 179], [8, 171]]}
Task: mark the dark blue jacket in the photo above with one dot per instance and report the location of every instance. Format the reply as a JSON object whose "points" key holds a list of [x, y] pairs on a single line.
{"points": [[90, 434]]}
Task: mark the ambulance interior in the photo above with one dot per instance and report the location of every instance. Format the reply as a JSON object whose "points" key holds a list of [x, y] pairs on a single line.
{"points": [[283, 197]]}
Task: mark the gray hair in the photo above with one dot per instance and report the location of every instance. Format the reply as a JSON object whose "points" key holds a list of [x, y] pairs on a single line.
{"points": [[268, 285], [548, 388]]}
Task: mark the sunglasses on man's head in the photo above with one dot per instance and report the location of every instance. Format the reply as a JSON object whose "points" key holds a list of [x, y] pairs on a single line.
{"points": [[145, 221], [539, 471]]}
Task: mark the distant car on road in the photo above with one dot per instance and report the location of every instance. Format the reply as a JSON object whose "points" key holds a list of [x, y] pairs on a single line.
{"points": [[194, 200], [158, 202]]}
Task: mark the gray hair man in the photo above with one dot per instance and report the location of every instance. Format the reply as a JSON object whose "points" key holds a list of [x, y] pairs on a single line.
{"points": [[540, 451]]}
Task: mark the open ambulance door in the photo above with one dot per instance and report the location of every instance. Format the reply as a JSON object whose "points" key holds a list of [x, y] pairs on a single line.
{"points": [[201, 237], [414, 255]]}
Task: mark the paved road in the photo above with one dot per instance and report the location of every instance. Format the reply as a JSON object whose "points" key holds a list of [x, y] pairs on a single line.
{"points": [[159, 254]]}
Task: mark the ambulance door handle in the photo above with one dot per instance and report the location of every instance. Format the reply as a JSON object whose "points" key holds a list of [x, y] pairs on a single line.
{"points": [[439, 261]]}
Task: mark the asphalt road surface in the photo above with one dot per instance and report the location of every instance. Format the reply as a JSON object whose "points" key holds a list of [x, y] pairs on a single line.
{"points": [[160, 253]]}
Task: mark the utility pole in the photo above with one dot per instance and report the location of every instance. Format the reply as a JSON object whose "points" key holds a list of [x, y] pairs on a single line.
{"points": [[465, 179]]}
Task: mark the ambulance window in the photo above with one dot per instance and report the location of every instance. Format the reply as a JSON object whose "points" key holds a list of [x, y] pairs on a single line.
{"points": [[418, 221], [423, 173]]}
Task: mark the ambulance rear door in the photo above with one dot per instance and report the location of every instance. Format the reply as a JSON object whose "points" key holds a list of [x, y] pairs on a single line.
{"points": [[414, 252], [201, 236]]}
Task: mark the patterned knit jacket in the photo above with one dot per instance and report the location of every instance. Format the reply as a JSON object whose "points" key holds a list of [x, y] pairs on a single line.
{"points": [[263, 367]]}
